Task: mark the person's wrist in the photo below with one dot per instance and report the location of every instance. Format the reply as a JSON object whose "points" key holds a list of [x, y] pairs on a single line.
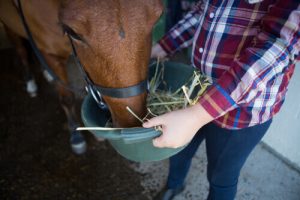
{"points": [[200, 115]]}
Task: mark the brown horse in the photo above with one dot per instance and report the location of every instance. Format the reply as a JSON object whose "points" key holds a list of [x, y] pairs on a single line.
{"points": [[112, 38]]}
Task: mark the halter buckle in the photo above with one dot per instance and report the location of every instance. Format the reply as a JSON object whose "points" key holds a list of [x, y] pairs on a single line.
{"points": [[97, 97]]}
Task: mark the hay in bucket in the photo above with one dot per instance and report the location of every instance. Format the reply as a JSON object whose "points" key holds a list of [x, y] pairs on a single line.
{"points": [[172, 86], [161, 100]]}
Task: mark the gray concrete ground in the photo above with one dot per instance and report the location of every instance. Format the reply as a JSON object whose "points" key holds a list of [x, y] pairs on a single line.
{"points": [[264, 177]]}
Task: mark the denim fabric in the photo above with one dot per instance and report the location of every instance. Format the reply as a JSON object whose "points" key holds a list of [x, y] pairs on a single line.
{"points": [[227, 151]]}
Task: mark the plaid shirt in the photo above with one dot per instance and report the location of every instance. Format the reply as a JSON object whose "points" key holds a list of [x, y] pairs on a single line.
{"points": [[249, 52]]}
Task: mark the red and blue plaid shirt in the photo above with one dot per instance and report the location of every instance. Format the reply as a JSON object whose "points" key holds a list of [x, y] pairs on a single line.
{"points": [[249, 52]]}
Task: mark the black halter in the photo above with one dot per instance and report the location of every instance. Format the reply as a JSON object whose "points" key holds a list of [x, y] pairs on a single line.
{"points": [[95, 90]]}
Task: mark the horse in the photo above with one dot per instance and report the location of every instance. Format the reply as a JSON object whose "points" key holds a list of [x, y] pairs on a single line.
{"points": [[112, 40]]}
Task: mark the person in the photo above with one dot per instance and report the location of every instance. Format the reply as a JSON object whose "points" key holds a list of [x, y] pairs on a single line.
{"points": [[248, 49], [175, 10]]}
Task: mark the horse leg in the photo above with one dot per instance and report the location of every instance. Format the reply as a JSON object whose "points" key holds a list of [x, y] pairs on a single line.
{"points": [[67, 100], [18, 42]]}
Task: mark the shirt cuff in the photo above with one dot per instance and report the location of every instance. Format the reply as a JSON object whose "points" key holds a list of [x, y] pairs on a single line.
{"points": [[216, 101], [168, 44]]}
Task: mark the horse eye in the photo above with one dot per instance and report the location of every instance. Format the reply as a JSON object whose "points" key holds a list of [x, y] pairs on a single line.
{"points": [[71, 33]]}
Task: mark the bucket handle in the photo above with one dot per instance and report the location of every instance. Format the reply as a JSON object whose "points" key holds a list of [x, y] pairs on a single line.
{"points": [[137, 135], [128, 135]]}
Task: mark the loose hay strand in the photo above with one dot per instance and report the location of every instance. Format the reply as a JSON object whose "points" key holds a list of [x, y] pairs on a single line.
{"points": [[133, 114], [97, 129]]}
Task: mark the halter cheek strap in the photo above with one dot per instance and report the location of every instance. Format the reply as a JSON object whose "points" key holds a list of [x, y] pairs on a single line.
{"points": [[97, 91], [47, 70]]}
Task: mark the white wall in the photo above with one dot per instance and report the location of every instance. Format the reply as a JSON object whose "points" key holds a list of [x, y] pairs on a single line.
{"points": [[284, 134]]}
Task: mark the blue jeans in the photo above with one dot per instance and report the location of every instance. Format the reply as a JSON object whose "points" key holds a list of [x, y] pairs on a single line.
{"points": [[227, 151]]}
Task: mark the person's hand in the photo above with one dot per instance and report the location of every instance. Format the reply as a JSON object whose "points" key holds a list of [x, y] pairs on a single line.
{"points": [[179, 127], [158, 52]]}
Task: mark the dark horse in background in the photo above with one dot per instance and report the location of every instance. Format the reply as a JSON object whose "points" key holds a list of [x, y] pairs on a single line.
{"points": [[112, 39]]}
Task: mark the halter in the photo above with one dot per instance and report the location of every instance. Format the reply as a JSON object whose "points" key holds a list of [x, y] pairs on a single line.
{"points": [[95, 90]]}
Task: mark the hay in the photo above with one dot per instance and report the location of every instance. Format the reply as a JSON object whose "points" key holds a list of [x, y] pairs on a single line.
{"points": [[162, 101]]}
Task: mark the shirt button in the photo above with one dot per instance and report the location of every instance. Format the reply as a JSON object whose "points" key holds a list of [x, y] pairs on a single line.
{"points": [[201, 50], [211, 15]]}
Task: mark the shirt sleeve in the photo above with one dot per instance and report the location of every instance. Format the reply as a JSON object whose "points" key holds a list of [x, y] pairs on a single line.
{"points": [[260, 68], [182, 34]]}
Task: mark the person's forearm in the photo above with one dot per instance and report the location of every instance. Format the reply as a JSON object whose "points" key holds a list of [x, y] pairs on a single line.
{"points": [[200, 115], [260, 74], [182, 34]]}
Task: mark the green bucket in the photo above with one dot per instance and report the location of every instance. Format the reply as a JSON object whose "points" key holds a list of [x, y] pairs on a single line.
{"points": [[136, 143]]}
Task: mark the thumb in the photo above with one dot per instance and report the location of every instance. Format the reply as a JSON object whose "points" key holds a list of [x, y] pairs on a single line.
{"points": [[158, 142], [155, 121]]}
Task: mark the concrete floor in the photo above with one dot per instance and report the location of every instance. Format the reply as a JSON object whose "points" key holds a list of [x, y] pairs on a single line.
{"points": [[264, 177]]}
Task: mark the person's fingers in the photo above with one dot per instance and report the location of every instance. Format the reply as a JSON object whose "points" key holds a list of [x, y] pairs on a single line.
{"points": [[158, 52], [154, 52], [163, 142], [156, 121]]}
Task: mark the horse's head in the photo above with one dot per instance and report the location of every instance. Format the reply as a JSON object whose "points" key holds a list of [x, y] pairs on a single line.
{"points": [[113, 42]]}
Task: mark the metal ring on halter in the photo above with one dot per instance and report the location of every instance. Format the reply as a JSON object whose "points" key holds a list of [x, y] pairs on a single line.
{"points": [[97, 97], [102, 104]]}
